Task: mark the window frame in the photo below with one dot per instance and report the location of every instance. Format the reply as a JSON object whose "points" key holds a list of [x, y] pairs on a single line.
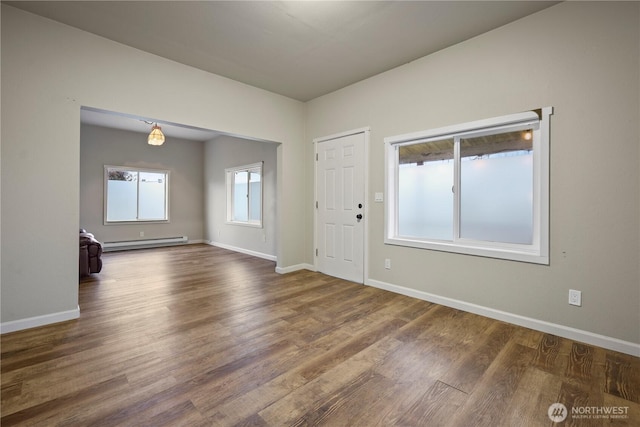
{"points": [[538, 251], [166, 173], [230, 189]]}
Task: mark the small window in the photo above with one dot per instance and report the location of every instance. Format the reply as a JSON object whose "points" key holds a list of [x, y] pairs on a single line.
{"points": [[244, 195], [136, 195], [477, 188]]}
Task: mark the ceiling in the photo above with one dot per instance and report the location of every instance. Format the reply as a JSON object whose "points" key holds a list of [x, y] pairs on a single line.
{"points": [[299, 49], [114, 120]]}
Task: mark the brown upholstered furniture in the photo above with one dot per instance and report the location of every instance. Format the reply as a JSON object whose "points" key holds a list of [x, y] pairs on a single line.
{"points": [[90, 254]]}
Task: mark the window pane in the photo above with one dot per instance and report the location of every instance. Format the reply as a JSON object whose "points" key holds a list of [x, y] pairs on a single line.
{"points": [[122, 195], [133, 195], [496, 199], [152, 196], [425, 199], [255, 196], [240, 196]]}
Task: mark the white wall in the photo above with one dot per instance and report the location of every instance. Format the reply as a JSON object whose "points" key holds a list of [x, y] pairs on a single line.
{"points": [[226, 152], [49, 71], [583, 59], [100, 146]]}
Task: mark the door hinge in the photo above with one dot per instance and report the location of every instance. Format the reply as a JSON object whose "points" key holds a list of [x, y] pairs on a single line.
{"points": [[316, 157], [316, 251], [316, 204]]}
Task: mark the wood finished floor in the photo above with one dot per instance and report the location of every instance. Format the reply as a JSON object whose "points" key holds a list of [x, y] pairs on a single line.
{"points": [[200, 336]]}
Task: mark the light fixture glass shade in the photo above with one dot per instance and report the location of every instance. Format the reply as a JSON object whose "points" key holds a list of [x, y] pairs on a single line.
{"points": [[156, 137]]}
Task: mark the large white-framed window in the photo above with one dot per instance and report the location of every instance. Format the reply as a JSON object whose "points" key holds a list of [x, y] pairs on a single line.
{"points": [[244, 195], [135, 195], [478, 188]]}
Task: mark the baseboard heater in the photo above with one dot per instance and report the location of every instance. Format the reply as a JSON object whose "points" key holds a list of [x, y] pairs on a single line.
{"points": [[146, 243]]}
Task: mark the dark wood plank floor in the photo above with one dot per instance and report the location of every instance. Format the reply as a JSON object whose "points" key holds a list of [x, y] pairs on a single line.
{"points": [[200, 336]]}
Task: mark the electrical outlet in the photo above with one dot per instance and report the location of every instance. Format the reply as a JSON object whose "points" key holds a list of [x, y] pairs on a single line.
{"points": [[575, 297], [387, 264], [142, 234]]}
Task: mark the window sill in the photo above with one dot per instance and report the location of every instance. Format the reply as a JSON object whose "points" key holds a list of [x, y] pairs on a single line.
{"points": [[245, 224], [506, 252], [146, 221]]}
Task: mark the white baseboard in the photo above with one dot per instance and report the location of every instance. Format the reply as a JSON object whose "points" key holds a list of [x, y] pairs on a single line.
{"points": [[292, 268], [244, 251], [34, 322], [538, 325]]}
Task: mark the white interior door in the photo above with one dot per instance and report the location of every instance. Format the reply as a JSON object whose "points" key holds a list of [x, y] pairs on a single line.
{"points": [[340, 196]]}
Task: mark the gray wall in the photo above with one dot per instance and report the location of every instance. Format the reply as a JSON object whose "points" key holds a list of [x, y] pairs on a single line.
{"points": [[49, 71], [226, 152], [583, 59], [101, 146]]}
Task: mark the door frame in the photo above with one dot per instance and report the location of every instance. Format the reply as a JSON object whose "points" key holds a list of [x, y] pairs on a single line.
{"points": [[365, 253]]}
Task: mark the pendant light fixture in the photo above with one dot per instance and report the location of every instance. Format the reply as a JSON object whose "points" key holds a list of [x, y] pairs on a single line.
{"points": [[156, 137]]}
